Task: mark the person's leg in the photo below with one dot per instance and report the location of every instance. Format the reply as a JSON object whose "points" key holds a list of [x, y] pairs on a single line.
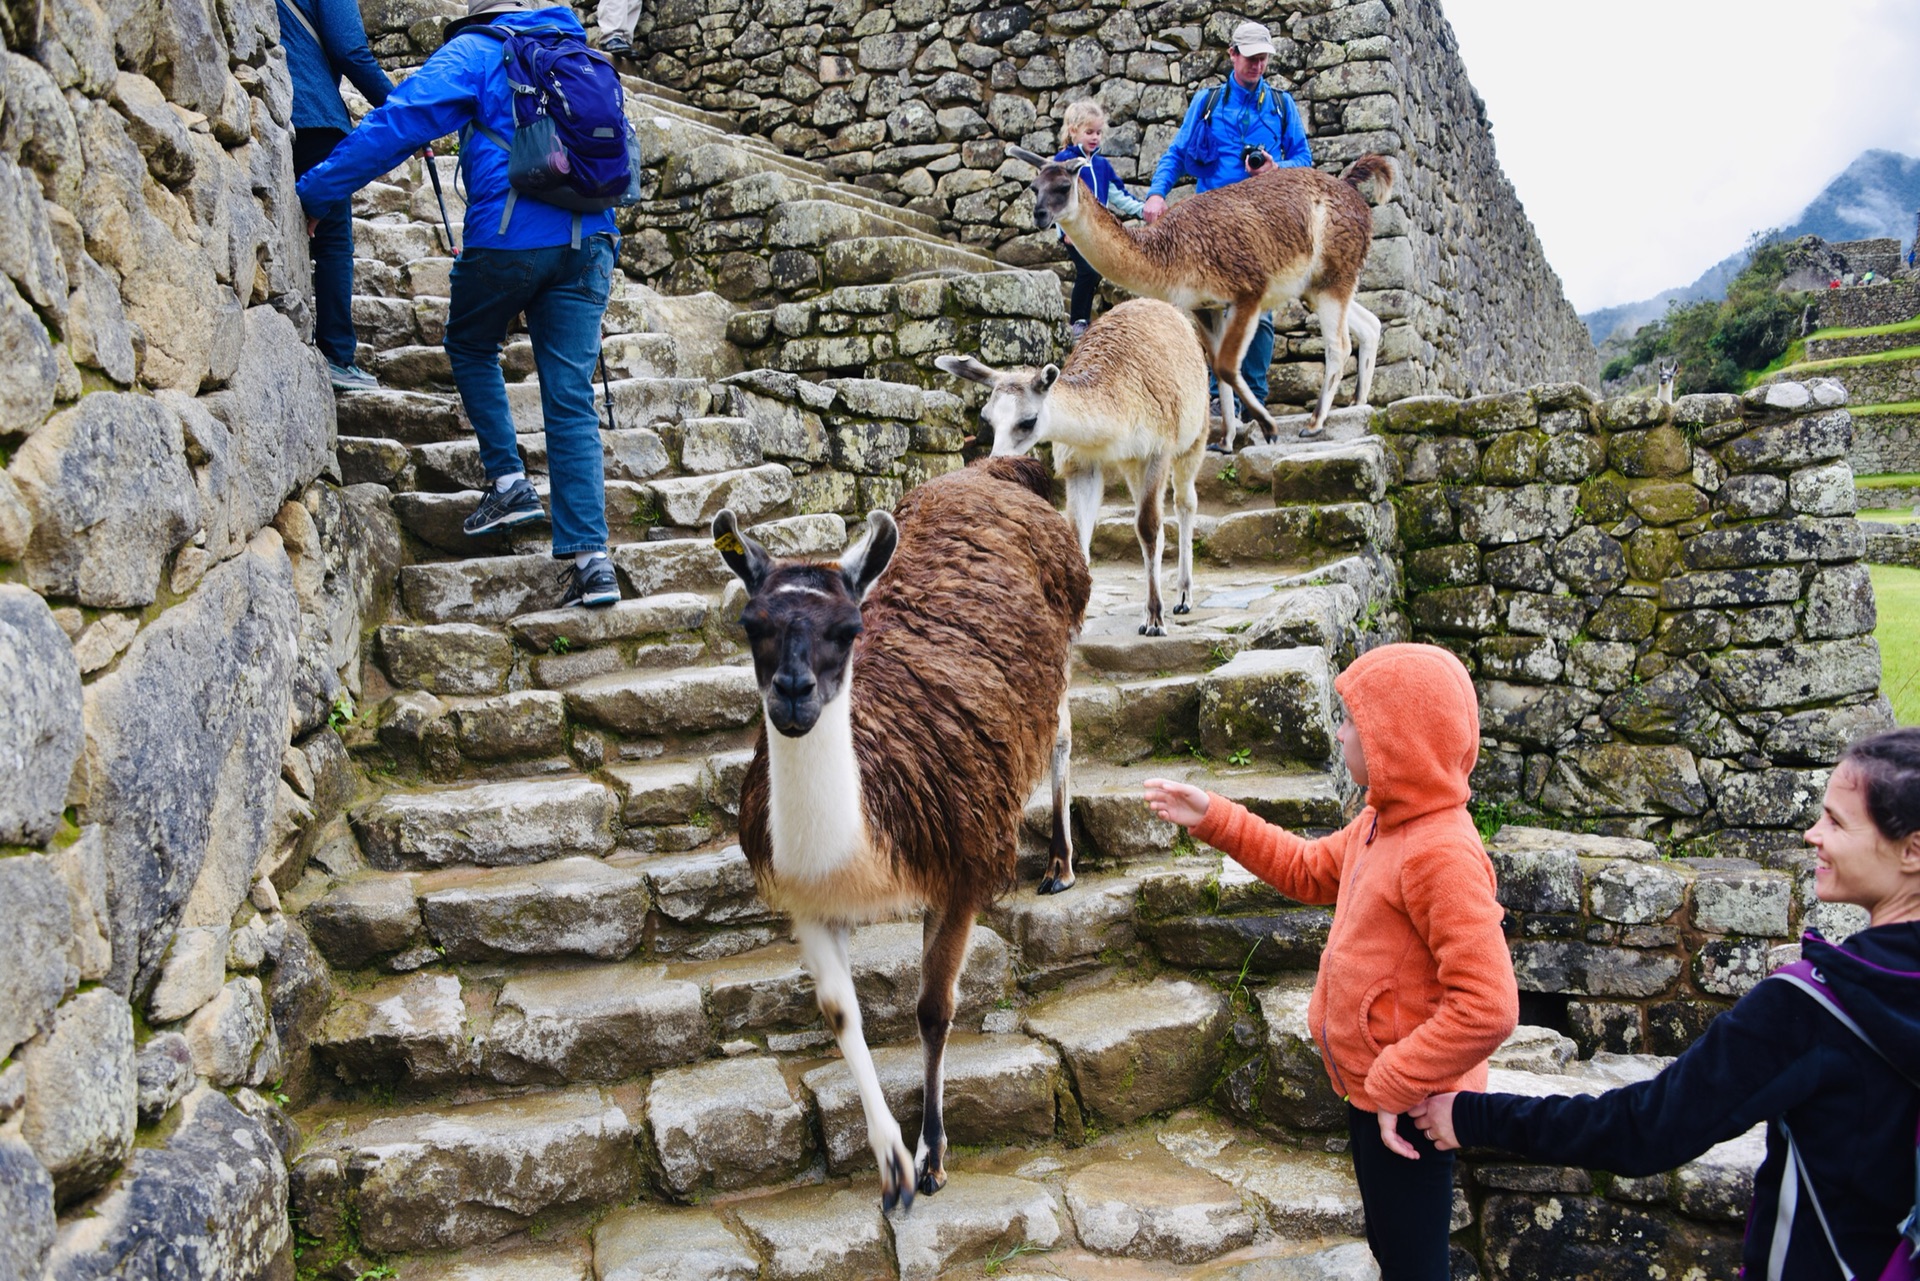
{"points": [[563, 318], [1085, 281], [331, 248], [490, 287], [1409, 1204], [1254, 366], [616, 20]]}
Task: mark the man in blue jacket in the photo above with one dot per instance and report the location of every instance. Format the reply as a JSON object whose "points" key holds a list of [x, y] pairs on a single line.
{"points": [[531, 257], [324, 41], [1212, 149]]}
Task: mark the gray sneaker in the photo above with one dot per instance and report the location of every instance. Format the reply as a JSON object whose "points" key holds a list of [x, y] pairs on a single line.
{"points": [[351, 378]]}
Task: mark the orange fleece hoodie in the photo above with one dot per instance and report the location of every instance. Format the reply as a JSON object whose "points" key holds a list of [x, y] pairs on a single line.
{"points": [[1416, 985]]}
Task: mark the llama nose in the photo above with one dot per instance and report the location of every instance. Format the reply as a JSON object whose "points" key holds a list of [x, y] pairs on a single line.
{"points": [[793, 686]]}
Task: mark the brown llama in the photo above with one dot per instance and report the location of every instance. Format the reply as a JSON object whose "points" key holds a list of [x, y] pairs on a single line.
{"points": [[1280, 235], [910, 694], [1133, 395]]}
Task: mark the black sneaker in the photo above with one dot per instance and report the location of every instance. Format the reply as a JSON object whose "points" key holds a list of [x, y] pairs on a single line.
{"points": [[595, 586], [616, 46], [519, 505]]}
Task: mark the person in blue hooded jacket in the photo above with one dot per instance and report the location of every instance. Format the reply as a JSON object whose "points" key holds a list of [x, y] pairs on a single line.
{"points": [[1080, 133], [325, 40], [1780, 1056], [520, 255], [1221, 124]]}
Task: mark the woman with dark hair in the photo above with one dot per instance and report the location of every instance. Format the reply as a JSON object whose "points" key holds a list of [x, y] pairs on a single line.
{"points": [[1828, 1057]]}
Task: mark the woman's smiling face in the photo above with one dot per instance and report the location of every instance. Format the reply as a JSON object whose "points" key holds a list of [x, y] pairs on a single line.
{"points": [[1856, 862]]}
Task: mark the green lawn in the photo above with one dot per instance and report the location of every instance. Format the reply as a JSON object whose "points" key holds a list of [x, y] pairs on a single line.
{"points": [[1888, 515], [1896, 592], [1851, 362], [1888, 480], [1904, 326]]}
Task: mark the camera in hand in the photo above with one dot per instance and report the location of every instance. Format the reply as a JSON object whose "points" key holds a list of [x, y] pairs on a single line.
{"points": [[1253, 156]]}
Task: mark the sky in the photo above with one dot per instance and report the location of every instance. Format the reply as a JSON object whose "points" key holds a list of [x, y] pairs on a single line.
{"points": [[1649, 138]]}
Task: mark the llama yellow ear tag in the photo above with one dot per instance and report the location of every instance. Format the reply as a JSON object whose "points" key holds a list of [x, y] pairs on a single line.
{"points": [[730, 542]]}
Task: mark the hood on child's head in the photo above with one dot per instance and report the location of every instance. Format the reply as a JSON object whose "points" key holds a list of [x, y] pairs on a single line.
{"points": [[1419, 724]]}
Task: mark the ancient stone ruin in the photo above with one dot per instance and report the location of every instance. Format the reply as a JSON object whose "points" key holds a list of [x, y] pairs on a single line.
{"points": [[368, 912]]}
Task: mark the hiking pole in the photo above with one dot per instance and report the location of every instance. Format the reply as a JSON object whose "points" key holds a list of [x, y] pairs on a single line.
{"points": [[433, 174], [606, 387]]}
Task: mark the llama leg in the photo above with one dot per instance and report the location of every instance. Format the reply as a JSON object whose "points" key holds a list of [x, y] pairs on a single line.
{"points": [[1333, 333], [1186, 501], [943, 954], [1147, 491], [1083, 505], [823, 950], [1242, 320], [1366, 327], [1060, 866]]}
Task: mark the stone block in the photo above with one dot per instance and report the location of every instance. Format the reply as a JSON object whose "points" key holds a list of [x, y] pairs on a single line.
{"points": [[1619, 778], [1295, 1090], [411, 1030], [524, 724], [1588, 970], [1532, 715], [1795, 443], [360, 921], [1047, 932], [37, 947], [231, 1041], [1273, 702], [1772, 798], [1157, 1208], [1456, 611], [1730, 587], [1840, 602], [648, 1243], [693, 701], [1796, 675], [706, 888], [1537, 880], [446, 658], [1635, 893], [40, 737], [1587, 1236], [602, 1024], [163, 1075], [974, 1216], [818, 1234], [1773, 542], [727, 1124], [194, 968], [1492, 516], [1718, 1184], [566, 907], [1734, 896], [1303, 1194], [1730, 966], [490, 824], [81, 1093], [1136, 1050]]}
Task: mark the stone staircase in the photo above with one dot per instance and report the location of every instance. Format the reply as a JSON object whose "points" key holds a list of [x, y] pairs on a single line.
{"points": [[1879, 364], [564, 1038]]}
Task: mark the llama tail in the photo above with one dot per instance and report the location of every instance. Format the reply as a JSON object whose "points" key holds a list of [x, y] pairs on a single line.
{"points": [[1028, 473], [1375, 167]]}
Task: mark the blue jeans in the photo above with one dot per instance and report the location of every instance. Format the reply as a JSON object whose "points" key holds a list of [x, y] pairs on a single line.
{"points": [[563, 292], [1254, 367], [331, 247]]}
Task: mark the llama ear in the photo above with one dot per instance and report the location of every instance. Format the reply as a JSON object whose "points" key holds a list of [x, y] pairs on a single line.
{"points": [[1076, 164], [966, 367], [862, 567], [1047, 376], [1026, 157], [746, 558]]}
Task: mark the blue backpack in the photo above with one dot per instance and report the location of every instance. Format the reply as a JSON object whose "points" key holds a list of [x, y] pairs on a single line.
{"points": [[571, 145]]}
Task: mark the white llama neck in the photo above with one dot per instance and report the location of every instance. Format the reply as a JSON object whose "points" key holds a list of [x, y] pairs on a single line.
{"points": [[813, 795]]}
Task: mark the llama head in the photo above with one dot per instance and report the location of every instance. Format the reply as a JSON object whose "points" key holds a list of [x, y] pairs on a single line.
{"points": [[1056, 188], [1668, 373], [801, 618], [1016, 408]]}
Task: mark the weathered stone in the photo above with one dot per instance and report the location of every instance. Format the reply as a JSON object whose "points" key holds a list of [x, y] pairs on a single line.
{"points": [[1271, 702], [1302, 1193], [596, 1025], [163, 1075], [1587, 1236], [226, 1034], [1772, 542], [40, 924], [999, 1089], [1136, 1050], [1617, 778], [1492, 516], [1794, 675], [569, 906], [1733, 896], [974, 1216], [32, 370], [461, 1175], [1718, 1184], [1772, 798], [1581, 844], [648, 1244], [26, 1206], [194, 968], [1590, 561], [1047, 932], [183, 753], [1295, 1090], [815, 1234], [1534, 1049], [1817, 737], [1839, 603], [1637, 893], [360, 921], [479, 591], [82, 1095], [1823, 491], [754, 494], [108, 486], [490, 824], [1584, 969], [214, 1188], [713, 887], [1796, 443], [1537, 880], [1730, 966], [1156, 1208], [446, 658], [726, 1124], [684, 702], [1730, 587], [1532, 715], [526, 723], [411, 1029]]}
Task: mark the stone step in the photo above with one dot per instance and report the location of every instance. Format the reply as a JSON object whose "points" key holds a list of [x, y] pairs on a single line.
{"points": [[1135, 1049], [437, 519], [1298, 534], [372, 460], [651, 705], [488, 589], [1881, 339], [817, 223], [754, 493], [868, 260], [454, 1176], [410, 417], [488, 825]]}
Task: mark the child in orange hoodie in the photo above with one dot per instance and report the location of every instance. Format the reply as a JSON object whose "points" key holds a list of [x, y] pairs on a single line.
{"points": [[1416, 985]]}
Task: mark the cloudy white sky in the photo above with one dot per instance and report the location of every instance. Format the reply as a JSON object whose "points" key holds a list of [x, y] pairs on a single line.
{"points": [[1648, 138]]}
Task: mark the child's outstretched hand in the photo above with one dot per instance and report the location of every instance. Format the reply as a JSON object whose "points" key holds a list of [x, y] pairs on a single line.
{"points": [[1181, 803]]}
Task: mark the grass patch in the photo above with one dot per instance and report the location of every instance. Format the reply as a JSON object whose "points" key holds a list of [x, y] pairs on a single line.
{"points": [[1896, 592], [1899, 354], [1897, 407], [1795, 353], [1888, 480], [1888, 515], [1869, 331]]}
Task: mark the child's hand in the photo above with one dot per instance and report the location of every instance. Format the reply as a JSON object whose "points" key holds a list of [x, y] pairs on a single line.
{"points": [[1181, 803], [1434, 1116]]}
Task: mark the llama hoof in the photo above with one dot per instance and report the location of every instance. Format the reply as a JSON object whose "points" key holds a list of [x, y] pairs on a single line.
{"points": [[1152, 629], [1183, 608], [1055, 885], [931, 1180], [896, 1182], [1313, 433]]}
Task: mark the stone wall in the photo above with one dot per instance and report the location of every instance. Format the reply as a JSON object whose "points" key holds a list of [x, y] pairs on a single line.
{"points": [[1884, 443], [1894, 545], [1664, 608], [916, 100], [181, 598], [1861, 307]]}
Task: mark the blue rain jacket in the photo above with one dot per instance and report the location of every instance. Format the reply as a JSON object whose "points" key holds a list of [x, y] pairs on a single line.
{"points": [[317, 68], [1210, 153], [461, 83], [1106, 186]]}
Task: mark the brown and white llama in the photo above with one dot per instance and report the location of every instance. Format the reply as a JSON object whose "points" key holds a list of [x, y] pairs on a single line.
{"points": [[910, 695], [1229, 254], [1133, 395]]}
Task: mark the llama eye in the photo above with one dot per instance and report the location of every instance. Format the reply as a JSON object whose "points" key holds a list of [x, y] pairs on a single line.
{"points": [[844, 635]]}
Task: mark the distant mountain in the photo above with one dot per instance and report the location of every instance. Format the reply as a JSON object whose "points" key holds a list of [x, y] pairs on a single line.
{"points": [[1876, 196]]}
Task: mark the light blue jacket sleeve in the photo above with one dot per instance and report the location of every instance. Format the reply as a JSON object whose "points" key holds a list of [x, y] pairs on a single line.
{"points": [[1294, 151], [433, 102], [1124, 202], [1174, 160]]}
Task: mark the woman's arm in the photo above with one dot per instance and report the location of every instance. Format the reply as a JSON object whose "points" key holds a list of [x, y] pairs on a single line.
{"points": [[344, 38]]}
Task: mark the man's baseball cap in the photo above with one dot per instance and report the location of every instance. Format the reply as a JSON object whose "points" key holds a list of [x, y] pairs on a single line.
{"points": [[1250, 40]]}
